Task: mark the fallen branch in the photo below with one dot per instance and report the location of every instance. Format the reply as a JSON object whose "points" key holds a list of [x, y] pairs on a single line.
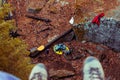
{"points": [[36, 53], [38, 18], [47, 28]]}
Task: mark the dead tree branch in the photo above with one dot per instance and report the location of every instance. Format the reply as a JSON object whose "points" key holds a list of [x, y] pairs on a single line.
{"points": [[36, 53], [38, 18]]}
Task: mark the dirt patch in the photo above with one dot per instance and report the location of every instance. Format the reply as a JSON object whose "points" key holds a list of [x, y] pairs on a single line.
{"points": [[85, 9]]}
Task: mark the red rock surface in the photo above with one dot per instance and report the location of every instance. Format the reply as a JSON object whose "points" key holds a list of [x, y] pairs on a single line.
{"points": [[60, 16]]}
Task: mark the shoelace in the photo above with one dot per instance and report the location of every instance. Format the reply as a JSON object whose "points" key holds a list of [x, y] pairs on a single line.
{"points": [[95, 74], [37, 76]]}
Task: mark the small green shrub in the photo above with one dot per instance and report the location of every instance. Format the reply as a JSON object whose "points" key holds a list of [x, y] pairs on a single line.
{"points": [[13, 54]]}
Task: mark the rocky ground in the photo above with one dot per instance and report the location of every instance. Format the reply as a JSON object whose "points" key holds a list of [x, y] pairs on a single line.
{"points": [[36, 33]]}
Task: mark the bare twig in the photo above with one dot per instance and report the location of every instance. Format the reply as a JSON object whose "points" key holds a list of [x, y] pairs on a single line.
{"points": [[47, 28], [38, 18]]}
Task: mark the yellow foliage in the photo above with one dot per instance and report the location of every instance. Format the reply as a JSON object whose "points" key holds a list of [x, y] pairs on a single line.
{"points": [[12, 50]]}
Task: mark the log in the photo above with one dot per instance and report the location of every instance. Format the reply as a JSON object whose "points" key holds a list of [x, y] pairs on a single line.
{"points": [[36, 53]]}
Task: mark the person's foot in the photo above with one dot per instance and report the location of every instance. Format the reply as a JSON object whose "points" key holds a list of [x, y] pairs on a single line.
{"points": [[39, 72], [92, 69]]}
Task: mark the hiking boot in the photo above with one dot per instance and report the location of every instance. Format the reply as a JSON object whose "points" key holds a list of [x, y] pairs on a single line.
{"points": [[92, 69], [39, 72]]}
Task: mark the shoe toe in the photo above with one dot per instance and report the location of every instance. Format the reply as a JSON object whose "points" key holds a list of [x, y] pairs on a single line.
{"points": [[89, 59]]}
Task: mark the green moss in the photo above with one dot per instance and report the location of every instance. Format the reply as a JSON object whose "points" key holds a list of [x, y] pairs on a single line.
{"points": [[12, 50]]}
